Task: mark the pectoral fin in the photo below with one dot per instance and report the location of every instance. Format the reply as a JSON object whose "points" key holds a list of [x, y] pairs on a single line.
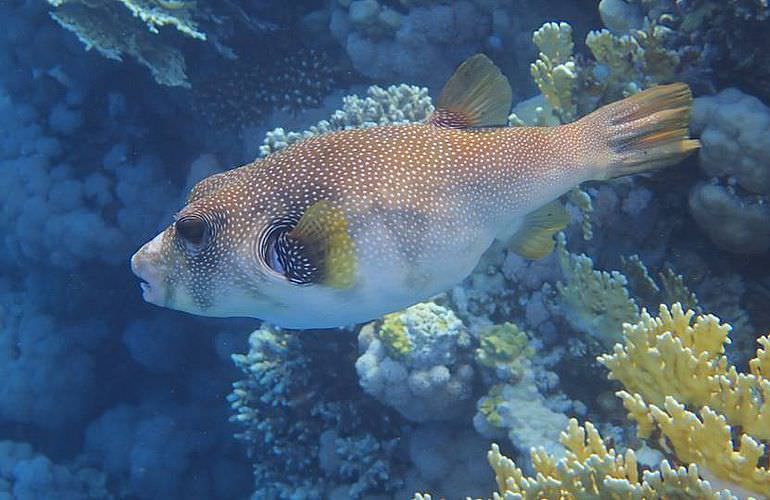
{"points": [[327, 244], [534, 239]]}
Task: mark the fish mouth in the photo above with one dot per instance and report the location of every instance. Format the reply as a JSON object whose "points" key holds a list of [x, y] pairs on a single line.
{"points": [[145, 287], [150, 278]]}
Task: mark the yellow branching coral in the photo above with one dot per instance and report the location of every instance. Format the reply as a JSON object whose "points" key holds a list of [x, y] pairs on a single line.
{"points": [[582, 200], [667, 364], [618, 54], [676, 361], [636, 60], [591, 469], [555, 72]]}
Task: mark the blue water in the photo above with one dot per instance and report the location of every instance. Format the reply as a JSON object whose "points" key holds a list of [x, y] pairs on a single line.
{"points": [[105, 396]]}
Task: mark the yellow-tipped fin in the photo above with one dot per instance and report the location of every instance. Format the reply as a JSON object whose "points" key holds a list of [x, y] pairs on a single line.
{"points": [[323, 230], [646, 131], [534, 239], [477, 95]]}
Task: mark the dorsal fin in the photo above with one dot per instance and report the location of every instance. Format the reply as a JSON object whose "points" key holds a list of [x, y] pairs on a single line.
{"points": [[534, 239], [323, 233], [477, 95]]}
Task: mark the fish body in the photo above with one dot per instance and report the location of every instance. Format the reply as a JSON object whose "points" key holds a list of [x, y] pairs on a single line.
{"points": [[345, 227]]}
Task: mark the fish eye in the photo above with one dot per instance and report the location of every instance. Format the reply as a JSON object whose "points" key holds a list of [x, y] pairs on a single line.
{"points": [[192, 228]]}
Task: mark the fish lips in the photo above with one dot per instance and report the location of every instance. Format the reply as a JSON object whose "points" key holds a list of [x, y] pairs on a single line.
{"points": [[151, 275]]}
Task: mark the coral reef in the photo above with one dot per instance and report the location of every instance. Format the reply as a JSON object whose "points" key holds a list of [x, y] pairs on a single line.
{"points": [[135, 27], [84, 215], [554, 71], [596, 302], [396, 104], [307, 432], [629, 63], [513, 404], [520, 409], [675, 363], [592, 469], [252, 86], [666, 364], [86, 174], [733, 208], [730, 35], [27, 474], [421, 45], [417, 361], [103, 26], [503, 348], [35, 347], [445, 460], [103, 396], [161, 454]]}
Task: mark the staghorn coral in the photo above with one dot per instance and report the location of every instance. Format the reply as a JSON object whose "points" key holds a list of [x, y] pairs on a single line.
{"points": [[639, 49], [675, 289], [624, 65], [639, 277], [675, 363]]}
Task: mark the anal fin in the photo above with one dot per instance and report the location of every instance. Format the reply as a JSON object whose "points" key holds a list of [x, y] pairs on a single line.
{"points": [[534, 239]]}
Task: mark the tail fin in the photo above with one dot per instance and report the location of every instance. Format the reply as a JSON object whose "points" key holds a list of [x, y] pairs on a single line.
{"points": [[644, 132]]}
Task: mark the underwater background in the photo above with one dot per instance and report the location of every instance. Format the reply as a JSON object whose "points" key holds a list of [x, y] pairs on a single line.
{"points": [[110, 110]]}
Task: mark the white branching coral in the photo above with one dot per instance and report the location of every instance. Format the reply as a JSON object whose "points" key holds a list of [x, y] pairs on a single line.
{"points": [[396, 104], [554, 71]]}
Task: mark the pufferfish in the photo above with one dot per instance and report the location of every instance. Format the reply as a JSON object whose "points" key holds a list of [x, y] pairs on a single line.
{"points": [[345, 227]]}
